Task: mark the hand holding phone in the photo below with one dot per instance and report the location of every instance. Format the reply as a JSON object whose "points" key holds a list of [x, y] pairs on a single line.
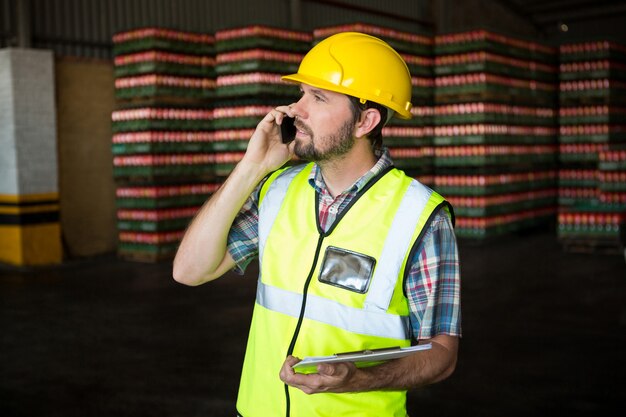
{"points": [[287, 129]]}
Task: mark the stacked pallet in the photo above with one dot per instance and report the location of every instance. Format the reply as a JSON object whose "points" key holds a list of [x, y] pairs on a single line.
{"points": [[155, 62], [409, 141], [495, 134], [152, 218], [592, 134], [163, 139], [249, 64]]}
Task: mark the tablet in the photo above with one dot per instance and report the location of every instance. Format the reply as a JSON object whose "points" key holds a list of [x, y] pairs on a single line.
{"points": [[361, 358]]}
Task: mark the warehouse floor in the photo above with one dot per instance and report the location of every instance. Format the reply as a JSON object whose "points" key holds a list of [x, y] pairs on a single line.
{"points": [[544, 331]]}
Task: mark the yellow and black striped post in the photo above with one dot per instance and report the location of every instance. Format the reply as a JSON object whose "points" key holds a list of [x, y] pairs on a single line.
{"points": [[29, 197], [29, 229]]}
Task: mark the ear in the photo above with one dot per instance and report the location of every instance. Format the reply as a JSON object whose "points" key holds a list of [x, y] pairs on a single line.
{"points": [[368, 121]]}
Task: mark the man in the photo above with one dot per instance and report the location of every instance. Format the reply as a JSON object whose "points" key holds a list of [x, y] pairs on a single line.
{"points": [[353, 254]]}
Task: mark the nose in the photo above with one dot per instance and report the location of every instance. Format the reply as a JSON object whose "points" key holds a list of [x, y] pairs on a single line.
{"points": [[299, 110]]}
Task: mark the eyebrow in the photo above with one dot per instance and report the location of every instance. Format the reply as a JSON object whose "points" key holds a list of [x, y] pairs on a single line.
{"points": [[318, 92]]}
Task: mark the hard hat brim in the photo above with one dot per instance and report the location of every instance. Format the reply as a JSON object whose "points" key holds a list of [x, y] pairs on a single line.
{"points": [[325, 85]]}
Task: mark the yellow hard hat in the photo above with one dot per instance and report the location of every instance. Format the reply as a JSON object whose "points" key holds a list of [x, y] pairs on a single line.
{"points": [[361, 66]]}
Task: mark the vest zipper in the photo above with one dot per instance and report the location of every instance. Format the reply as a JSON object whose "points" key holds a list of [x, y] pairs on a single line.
{"points": [[294, 338]]}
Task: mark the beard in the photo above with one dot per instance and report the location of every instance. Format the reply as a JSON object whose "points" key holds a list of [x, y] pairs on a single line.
{"points": [[337, 145]]}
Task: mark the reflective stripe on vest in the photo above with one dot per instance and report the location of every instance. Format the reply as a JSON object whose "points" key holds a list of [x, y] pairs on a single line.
{"points": [[371, 322]]}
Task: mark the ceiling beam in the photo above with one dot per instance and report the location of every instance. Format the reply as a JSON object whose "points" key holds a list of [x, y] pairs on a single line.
{"points": [[542, 7], [23, 28], [582, 14], [376, 12], [518, 11]]}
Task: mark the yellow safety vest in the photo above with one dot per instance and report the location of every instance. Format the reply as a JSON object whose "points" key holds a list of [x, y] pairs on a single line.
{"points": [[299, 311]]}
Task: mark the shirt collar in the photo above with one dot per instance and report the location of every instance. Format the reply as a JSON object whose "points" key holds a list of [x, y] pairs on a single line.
{"points": [[384, 161]]}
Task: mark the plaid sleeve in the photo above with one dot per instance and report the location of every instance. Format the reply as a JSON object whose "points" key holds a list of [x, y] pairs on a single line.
{"points": [[433, 285], [243, 237]]}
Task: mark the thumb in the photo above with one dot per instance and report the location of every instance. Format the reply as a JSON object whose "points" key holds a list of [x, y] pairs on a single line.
{"points": [[325, 369]]}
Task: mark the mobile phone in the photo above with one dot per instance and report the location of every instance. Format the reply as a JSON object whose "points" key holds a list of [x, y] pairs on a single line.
{"points": [[287, 129]]}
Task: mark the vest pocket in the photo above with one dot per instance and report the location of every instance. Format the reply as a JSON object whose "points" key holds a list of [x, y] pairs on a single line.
{"points": [[347, 269]]}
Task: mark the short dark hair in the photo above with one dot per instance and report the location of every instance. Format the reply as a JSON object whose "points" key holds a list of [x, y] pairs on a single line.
{"points": [[376, 135]]}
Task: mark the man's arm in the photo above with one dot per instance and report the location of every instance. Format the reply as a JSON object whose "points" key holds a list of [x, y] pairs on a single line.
{"points": [[419, 369], [202, 255]]}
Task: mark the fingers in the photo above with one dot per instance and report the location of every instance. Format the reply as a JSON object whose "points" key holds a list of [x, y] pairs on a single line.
{"points": [[268, 127], [330, 377], [286, 372], [305, 383], [279, 113], [324, 369], [290, 362]]}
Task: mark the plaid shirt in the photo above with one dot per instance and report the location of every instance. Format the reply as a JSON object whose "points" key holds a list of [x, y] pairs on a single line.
{"points": [[433, 285]]}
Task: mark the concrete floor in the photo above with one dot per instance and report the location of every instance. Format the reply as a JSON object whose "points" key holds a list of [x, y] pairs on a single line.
{"points": [[544, 332]]}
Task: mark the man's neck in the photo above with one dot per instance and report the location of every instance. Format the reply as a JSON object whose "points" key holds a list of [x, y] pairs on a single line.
{"points": [[341, 173]]}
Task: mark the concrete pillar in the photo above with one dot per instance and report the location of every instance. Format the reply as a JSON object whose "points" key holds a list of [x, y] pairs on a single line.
{"points": [[29, 198]]}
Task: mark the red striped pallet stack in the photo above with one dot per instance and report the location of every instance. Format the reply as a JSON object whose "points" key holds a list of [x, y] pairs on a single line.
{"points": [[409, 141], [152, 218], [156, 62], [592, 137], [165, 163], [495, 132], [249, 64]]}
